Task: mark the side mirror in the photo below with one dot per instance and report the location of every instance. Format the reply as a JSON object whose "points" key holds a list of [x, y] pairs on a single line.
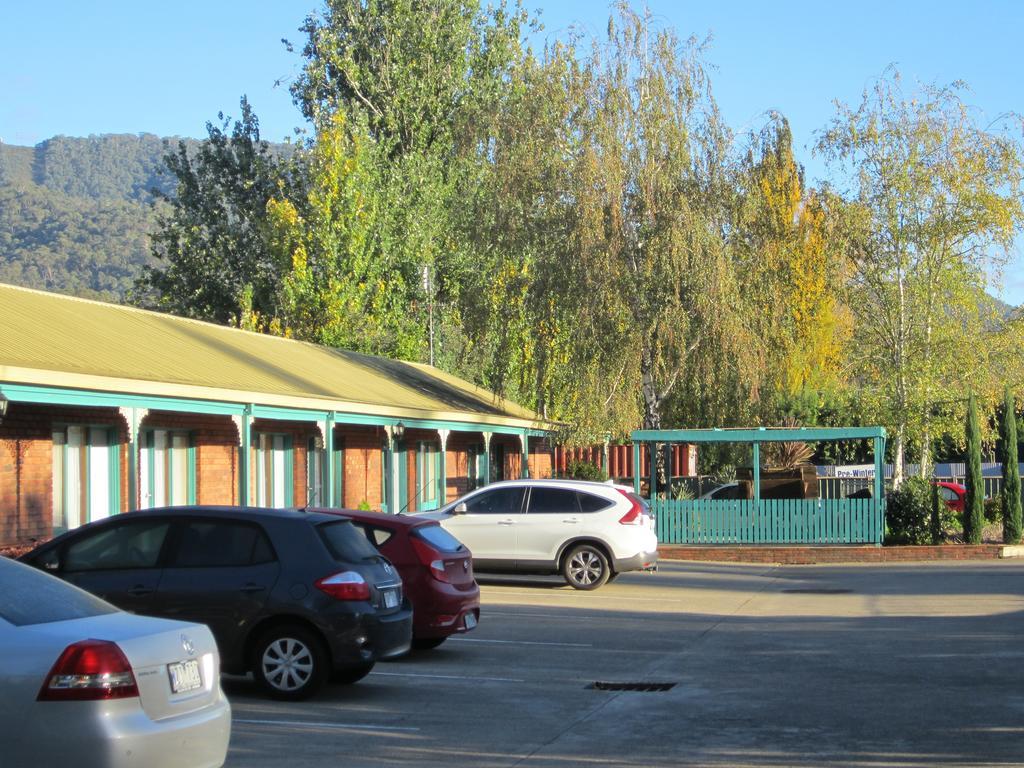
{"points": [[460, 508]]}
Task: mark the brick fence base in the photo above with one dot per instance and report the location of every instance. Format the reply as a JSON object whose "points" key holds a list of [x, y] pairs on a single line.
{"points": [[852, 554]]}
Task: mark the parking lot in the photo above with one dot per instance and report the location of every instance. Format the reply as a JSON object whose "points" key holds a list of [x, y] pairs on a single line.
{"points": [[906, 665]]}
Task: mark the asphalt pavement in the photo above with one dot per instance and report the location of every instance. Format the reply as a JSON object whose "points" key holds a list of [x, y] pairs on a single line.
{"points": [[699, 664]]}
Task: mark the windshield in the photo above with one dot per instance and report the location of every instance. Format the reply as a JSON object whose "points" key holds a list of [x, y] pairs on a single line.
{"points": [[28, 596]]}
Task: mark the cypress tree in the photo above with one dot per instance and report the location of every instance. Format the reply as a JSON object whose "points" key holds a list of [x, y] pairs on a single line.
{"points": [[974, 506], [935, 523], [1011, 472]]}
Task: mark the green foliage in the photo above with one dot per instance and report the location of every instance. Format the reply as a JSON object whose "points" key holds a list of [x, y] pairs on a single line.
{"points": [[908, 513], [585, 470], [1011, 471], [54, 242], [211, 246], [936, 507], [974, 504]]}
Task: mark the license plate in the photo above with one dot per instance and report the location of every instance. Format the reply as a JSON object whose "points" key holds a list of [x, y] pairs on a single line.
{"points": [[390, 598], [470, 621], [185, 676]]}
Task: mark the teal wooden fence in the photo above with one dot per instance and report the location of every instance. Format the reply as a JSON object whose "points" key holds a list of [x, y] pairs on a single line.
{"points": [[769, 521]]}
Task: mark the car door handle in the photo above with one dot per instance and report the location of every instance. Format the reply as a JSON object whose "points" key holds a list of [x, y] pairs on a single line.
{"points": [[252, 588], [506, 522], [139, 589], [571, 520]]}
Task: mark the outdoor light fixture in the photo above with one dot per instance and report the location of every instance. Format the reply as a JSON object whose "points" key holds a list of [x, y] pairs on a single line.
{"points": [[3, 406], [398, 431]]}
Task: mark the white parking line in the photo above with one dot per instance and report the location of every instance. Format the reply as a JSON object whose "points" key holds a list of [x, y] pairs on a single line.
{"points": [[449, 677], [519, 642], [320, 724]]}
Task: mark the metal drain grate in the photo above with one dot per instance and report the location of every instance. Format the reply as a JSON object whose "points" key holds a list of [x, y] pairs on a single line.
{"points": [[641, 687], [818, 591]]}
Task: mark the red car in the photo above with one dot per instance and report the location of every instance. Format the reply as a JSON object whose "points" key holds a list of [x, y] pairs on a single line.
{"points": [[436, 570], [953, 494]]}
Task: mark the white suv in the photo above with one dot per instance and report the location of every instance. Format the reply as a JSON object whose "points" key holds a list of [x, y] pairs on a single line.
{"points": [[589, 532]]}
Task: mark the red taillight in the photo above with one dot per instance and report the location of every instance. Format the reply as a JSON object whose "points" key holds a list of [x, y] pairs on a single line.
{"points": [[345, 585], [90, 670], [430, 557], [635, 514]]}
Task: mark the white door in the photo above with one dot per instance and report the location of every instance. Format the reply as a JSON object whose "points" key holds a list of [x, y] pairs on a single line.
{"points": [[553, 516], [490, 524]]}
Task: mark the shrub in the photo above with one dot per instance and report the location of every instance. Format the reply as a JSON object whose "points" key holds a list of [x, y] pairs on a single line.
{"points": [[908, 513], [585, 470], [994, 509]]}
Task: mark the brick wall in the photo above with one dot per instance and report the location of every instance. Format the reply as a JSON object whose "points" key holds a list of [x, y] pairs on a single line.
{"points": [[361, 484]]}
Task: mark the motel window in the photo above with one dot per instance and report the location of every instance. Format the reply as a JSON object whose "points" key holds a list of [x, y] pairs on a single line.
{"points": [[166, 469], [274, 482], [86, 475]]}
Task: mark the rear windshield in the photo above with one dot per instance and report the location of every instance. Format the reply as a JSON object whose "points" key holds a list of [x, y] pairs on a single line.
{"points": [[439, 538], [28, 596], [345, 543]]}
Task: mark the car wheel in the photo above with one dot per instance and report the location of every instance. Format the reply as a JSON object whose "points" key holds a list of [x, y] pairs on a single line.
{"points": [[290, 663], [585, 567], [427, 643], [353, 674]]}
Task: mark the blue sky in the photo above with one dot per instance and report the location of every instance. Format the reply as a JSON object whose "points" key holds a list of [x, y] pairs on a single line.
{"points": [[111, 66]]}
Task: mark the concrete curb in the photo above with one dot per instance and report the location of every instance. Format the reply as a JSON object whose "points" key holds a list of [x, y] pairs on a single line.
{"points": [[798, 555]]}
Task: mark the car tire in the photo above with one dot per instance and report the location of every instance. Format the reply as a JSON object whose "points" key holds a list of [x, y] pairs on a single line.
{"points": [[427, 643], [353, 674], [585, 567], [290, 662]]}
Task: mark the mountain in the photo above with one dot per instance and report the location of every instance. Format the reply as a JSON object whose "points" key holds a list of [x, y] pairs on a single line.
{"points": [[76, 213]]}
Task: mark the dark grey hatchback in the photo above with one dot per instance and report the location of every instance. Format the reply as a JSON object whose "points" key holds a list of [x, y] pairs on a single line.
{"points": [[294, 597]]}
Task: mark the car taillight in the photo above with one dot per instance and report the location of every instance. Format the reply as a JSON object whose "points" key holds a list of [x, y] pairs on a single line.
{"points": [[90, 670], [635, 515], [430, 557], [345, 585]]}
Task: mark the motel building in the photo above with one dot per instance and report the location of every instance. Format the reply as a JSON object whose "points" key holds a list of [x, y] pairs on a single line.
{"points": [[105, 409]]}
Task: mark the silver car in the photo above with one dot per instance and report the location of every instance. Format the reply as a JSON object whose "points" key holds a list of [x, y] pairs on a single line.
{"points": [[86, 684]]}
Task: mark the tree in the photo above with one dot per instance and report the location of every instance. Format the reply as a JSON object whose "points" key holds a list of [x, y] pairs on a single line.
{"points": [[1011, 472], [651, 212], [213, 258], [937, 202], [974, 504]]}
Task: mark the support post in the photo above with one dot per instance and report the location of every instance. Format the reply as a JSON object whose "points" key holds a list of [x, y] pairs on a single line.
{"points": [[524, 439], [487, 457], [879, 489], [636, 468], [133, 417], [328, 465], [757, 474], [442, 494], [652, 452], [244, 424]]}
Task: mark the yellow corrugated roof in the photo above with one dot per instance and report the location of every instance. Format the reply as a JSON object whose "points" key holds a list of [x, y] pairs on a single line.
{"points": [[50, 339]]}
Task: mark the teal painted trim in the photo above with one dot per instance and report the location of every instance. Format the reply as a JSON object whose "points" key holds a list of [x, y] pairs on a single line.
{"points": [[245, 458], [287, 414], [60, 396], [289, 471], [114, 471], [337, 497], [652, 452], [636, 468], [387, 486], [486, 453], [402, 466], [756, 461], [442, 473], [524, 469], [191, 469], [363, 419], [328, 470], [762, 435]]}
